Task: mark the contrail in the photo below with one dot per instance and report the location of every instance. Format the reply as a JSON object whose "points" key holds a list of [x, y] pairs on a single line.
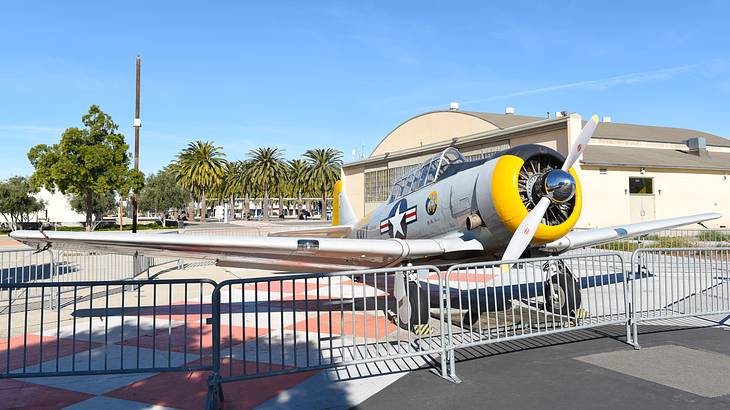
{"points": [[603, 83]]}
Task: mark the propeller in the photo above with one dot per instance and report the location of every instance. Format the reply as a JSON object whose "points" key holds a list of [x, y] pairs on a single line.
{"points": [[558, 186]]}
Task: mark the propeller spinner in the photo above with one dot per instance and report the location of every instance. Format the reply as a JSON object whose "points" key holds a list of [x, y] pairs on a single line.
{"points": [[556, 186]]}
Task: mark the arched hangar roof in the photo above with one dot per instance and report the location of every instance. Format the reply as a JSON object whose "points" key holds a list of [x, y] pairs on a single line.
{"points": [[437, 126]]}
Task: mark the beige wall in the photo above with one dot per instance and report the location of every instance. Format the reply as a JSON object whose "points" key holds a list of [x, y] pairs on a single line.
{"points": [[353, 183], [549, 139], [606, 197], [429, 128]]}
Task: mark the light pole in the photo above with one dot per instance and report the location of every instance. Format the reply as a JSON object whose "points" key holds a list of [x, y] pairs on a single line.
{"points": [[137, 124]]}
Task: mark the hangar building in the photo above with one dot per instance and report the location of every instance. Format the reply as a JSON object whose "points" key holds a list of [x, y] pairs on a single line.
{"points": [[628, 173]]}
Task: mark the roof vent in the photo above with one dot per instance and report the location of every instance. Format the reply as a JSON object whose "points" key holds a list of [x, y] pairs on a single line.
{"points": [[606, 119], [509, 110], [454, 106], [697, 146]]}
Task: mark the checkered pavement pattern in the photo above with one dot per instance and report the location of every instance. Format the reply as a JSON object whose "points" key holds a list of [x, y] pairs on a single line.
{"points": [[179, 335]]}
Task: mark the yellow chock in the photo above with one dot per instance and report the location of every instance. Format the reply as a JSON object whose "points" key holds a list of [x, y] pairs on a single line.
{"points": [[422, 330], [582, 313]]}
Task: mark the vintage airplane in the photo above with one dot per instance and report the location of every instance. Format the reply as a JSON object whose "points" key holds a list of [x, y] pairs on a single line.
{"points": [[523, 201]]}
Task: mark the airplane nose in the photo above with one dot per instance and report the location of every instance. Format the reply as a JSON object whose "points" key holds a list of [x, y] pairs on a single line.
{"points": [[558, 185]]}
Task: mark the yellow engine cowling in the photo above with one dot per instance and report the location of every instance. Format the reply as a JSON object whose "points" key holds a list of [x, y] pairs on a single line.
{"points": [[507, 202]]}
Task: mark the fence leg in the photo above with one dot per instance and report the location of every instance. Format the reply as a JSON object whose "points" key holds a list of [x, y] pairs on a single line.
{"points": [[452, 366], [214, 398], [54, 278], [632, 329]]}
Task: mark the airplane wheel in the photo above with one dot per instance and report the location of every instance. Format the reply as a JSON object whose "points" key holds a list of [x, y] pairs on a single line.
{"points": [[562, 294], [419, 312]]}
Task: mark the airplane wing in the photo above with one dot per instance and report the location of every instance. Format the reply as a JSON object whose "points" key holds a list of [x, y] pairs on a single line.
{"points": [[291, 254], [337, 231], [579, 239]]}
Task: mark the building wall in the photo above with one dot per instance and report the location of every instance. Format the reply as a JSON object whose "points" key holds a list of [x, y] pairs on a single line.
{"points": [[606, 197], [58, 208], [353, 180]]}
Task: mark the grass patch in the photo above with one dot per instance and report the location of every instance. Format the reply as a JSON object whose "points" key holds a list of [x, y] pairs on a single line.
{"points": [[714, 236], [649, 241]]}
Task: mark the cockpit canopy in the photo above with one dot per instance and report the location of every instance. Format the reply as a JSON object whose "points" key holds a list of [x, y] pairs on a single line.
{"points": [[426, 173]]}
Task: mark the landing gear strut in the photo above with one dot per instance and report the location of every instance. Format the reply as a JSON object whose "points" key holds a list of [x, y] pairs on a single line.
{"points": [[412, 303], [562, 290]]}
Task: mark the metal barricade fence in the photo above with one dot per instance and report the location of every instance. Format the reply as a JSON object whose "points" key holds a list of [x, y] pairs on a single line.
{"points": [[94, 266], [249, 328], [25, 265], [500, 301], [680, 282], [31, 266], [668, 238], [107, 327], [301, 323]]}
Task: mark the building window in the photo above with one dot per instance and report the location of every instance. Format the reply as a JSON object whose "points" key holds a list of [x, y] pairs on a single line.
{"points": [[378, 184], [641, 186], [603, 171]]}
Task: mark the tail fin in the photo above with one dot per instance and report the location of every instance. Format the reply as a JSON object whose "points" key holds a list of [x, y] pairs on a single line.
{"points": [[342, 213]]}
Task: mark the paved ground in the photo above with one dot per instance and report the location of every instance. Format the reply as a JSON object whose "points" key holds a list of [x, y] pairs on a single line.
{"points": [[679, 367], [676, 369]]}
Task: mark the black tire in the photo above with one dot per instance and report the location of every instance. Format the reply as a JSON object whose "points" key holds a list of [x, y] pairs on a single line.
{"points": [[418, 299], [562, 295]]}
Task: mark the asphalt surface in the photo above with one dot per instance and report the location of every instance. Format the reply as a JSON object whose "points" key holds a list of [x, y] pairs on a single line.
{"points": [[585, 370]]}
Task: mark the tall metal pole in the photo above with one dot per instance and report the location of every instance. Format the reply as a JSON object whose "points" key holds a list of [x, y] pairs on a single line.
{"points": [[137, 124]]}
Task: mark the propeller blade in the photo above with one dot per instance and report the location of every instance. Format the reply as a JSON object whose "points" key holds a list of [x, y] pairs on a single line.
{"points": [[526, 231], [580, 142]]}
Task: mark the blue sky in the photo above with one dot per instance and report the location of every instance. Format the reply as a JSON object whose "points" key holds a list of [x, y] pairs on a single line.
{"points": [[300, 75]]}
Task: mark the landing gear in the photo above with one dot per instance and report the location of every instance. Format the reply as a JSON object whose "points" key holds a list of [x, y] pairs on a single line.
{"points": [[418, 311], [412, 304], [562, 290]]}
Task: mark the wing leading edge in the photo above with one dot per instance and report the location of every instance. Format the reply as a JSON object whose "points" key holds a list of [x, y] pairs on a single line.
{"points": [[579, 239], [294, 254]]}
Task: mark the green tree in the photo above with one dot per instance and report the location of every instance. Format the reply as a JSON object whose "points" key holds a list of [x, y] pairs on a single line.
{"points": [[16, 202], [161, 193], [324, 171], [267, 170], [200, 168], [101, 204], [298, 180], [87, 161], [238, 183]]}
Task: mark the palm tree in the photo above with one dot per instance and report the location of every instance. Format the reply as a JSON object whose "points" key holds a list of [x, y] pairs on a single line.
{"points": [[200, 168], [267, 170], [324, 170], [238, 183], [298, 180]]}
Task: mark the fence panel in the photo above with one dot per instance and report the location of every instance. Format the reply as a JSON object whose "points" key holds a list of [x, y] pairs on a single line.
{"points": [[668, 238], [79, 266], [105, 327], [681, 282], [285, 324], [25, 266], [495, 301], [31, 266]]}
